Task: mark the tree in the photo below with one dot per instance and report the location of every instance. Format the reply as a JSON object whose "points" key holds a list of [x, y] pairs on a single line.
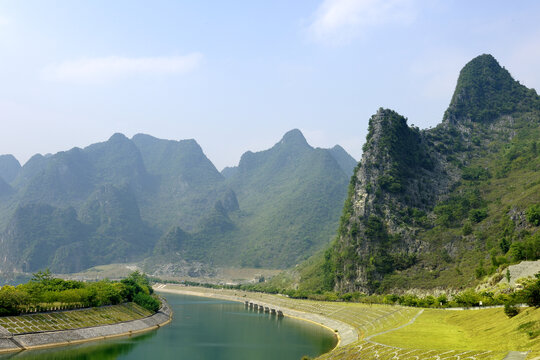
{"points": [[504, 244], [146, 301], [510, 309], [531, 293], [533, 214], [10, 299], [517, 251], [136, 283], [42, 277]]}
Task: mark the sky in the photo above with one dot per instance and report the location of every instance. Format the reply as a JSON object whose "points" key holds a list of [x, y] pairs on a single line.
{"points": [[236, 75]]}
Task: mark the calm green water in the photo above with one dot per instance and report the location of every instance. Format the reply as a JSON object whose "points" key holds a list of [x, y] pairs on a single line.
{"points": [[207, 329]]}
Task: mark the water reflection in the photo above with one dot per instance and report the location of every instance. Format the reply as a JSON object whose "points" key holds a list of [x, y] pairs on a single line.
{"points": [[105, 350]]}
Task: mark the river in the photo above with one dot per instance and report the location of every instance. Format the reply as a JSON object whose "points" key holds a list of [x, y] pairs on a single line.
{"points": [[206, 329]]}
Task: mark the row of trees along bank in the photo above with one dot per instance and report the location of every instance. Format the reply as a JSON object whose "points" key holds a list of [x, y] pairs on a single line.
{"points": [[43, 293]]}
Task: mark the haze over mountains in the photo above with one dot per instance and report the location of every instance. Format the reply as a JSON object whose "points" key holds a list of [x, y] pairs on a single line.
{"points": [[439, 207], [129, 199]]}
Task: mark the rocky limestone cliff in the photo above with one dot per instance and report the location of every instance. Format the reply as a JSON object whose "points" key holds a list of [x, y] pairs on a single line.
{"points": [[399, 178], [404, 173]]}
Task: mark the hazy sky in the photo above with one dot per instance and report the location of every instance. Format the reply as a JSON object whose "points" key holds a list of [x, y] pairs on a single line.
{"points": [[236, 75]]}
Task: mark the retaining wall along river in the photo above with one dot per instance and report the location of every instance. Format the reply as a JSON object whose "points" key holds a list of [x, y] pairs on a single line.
{"points": [[12, 343]]}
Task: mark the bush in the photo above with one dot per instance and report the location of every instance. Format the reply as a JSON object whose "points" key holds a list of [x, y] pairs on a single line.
{"points": [[477, 215], [10, 299], [136, 283], [533, 214], [467, 229], [147, 301], [510, 310], [531, 293]]}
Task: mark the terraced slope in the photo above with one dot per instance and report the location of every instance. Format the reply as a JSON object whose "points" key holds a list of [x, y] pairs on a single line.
{"points": [[367, 319], [75, 319], [369, 350]]}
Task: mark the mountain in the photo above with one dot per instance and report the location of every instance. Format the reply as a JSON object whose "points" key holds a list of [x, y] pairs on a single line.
{"points": [[345, 161], [125, 200], [40, 236], [9, 168], [65, 179], [187, 183], [486, 91], [107, 229], [5, 189], [29, 170], [118, 161], [289, 199], [119, 234], [445, 206]]}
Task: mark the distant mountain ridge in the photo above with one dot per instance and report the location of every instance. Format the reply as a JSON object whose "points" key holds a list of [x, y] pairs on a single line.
{"points": [[125, 200], [9, 168]]}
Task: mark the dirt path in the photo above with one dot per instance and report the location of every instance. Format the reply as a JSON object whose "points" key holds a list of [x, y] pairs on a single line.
{"points": [[516, 355], [397, 328]]}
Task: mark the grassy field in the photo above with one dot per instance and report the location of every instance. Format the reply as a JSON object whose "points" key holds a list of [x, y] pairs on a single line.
{"points": [[368, 350], [74, 319], [488, 329]]}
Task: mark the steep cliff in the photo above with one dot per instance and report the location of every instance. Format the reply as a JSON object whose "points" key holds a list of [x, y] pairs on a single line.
{"points": [[413, 190]]}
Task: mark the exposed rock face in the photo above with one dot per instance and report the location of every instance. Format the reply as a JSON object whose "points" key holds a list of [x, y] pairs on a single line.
{"points": [[405, 172], [398, 180]]}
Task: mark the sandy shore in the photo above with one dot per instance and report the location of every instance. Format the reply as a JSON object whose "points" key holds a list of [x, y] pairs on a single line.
{"points": [[345, 333]]}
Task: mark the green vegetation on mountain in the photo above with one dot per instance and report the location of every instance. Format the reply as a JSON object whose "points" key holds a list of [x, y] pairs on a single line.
{"points": [[118, 233], [444, 207], [281, 205], [108, 228], [39, 236], [345, 161], [290, 197], [65, 179], [5, 189], [185, 183], [486, 91]]}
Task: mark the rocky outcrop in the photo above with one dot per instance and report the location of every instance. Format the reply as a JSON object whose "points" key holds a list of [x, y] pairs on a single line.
{"points": [[405, 173], [399, 178]]}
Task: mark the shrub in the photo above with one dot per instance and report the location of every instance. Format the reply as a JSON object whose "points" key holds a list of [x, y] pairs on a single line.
{"points": [[531, 328], [10, 299], [531, 293], [477, 215], [147, 301], [467, 229], [533, 214], [510, 310]]}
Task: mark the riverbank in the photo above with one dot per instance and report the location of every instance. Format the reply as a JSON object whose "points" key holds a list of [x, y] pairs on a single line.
{"points": [[345, 333], [396, 332], [15, 342]]}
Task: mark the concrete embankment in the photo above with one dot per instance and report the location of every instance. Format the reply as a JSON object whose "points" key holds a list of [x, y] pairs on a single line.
{"points": [[346, 334], [17, 342]]}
